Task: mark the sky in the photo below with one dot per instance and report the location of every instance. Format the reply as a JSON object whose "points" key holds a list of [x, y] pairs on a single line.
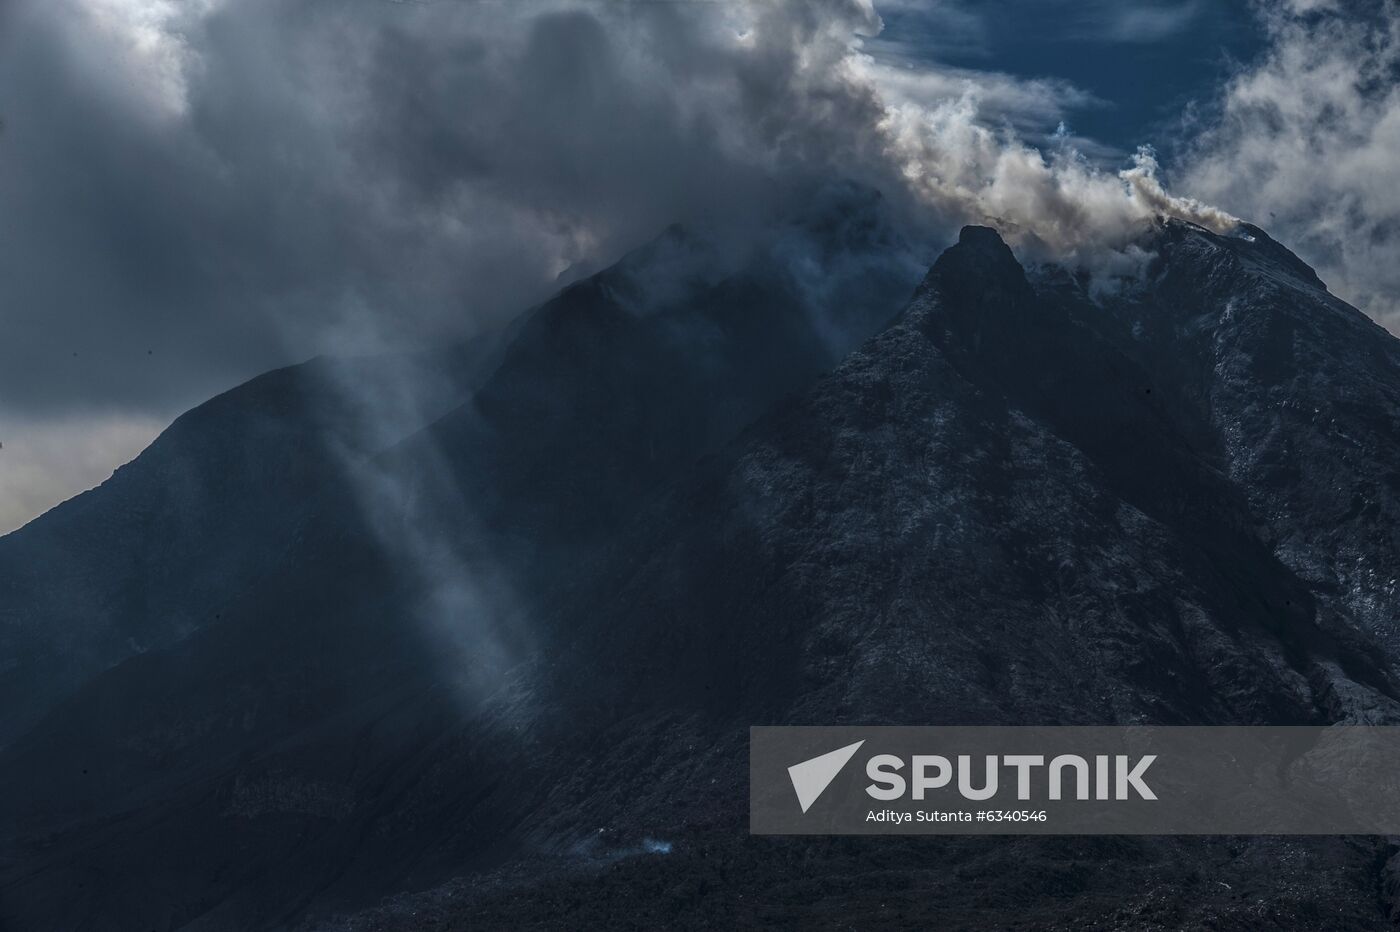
{"points": [[194, 191]]}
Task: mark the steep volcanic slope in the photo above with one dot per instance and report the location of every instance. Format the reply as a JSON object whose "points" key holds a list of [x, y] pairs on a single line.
{"points": [[617, 385], [1302, 393], [314, 745], [985, 514], [214, 505], [1010, 507], [615, 382]]}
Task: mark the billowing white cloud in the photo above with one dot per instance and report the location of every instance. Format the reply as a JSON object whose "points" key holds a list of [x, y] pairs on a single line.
{"points": [[1057, 205], [1031, 106], [145, 47], [1306, 142]]}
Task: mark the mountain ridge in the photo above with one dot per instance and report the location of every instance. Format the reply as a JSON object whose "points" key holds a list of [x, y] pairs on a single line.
{"points": [[1018, 502], [1008, 584]]}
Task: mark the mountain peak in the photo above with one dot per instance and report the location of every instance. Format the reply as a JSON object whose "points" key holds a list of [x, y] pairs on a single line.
{"points": [[1252, 247], [980, 236], [979, 274], [981, 254]]}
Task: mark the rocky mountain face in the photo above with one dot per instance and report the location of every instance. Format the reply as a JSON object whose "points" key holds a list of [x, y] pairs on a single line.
{"points": [[1024, 499], [1001, 510], [213, 507]]}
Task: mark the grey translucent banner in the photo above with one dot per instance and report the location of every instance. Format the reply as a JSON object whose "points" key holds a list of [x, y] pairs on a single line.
{"points": [[1136, 780]]}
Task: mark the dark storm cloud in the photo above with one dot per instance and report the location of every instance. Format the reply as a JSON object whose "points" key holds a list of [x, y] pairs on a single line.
{"points": [[230, 185], [196, 190]]}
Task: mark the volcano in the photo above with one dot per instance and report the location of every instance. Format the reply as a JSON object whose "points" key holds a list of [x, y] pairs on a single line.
{"points": [[496, 669]]}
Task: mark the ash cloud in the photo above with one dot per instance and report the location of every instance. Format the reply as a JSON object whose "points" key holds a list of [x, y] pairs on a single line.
{"points": [[1304, 142], [199, 191]]}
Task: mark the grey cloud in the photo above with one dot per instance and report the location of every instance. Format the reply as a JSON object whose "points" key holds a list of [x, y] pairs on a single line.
{"points": [[1304, 143], [1128, 22], [232, 185], [196, 191], [962, 25]]}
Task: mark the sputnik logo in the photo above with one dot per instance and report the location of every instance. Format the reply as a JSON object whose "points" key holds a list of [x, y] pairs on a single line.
{"points": [[811, 777]]}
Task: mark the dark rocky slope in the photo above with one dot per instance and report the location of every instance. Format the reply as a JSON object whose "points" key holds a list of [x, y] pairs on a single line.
{"points": [[1002, 509], [986, 514], [1016, 504], [212, 508], [328, 688]]}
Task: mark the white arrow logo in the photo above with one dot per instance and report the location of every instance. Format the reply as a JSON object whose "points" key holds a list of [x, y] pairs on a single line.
{"points": [[811, 777]]}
